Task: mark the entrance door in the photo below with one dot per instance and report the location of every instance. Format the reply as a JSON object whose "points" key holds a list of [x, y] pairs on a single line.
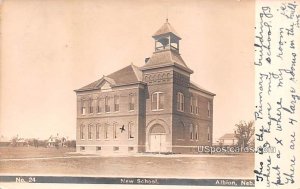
{"points": [[157, 139], [157, 142]]}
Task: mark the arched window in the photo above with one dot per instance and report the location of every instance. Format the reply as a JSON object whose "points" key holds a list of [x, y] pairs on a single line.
{"points": [[208, 134], [180, 102], [115, 132], [90, 133], [181, 130], [91, 108], [105, 131], [99, 109], [191, 104], [191, 132], [98, 126], [196, 105], [208, 109], [83, 107], [81, 132], [131, 102], [107, 104], [116, 102], [196, 132], [158, 101], [130, 130]]}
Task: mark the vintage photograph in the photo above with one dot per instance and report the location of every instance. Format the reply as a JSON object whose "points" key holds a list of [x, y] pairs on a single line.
{"points": [[133, 92]]}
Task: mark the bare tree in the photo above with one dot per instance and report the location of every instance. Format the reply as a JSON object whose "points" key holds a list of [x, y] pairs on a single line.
{"points": [[244, 133]]}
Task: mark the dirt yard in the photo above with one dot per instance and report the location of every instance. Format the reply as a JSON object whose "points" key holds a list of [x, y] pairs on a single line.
{"points": [[19, 161]]}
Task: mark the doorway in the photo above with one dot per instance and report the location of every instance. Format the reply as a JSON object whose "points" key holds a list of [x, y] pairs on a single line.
{"points": [[157, 139]]}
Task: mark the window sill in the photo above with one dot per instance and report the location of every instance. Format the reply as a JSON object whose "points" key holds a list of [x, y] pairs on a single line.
{"points": [[157, 110]]}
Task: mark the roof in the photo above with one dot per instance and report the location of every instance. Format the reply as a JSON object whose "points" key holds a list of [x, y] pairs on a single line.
{"points": [[198, 88], [166, 57], [228, 136], [166, 28], [127, 75]]}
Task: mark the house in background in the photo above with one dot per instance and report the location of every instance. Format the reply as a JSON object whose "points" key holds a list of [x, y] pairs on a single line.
{"points": [[228, 139], [21, 142], [152, 108], [55, 141]]}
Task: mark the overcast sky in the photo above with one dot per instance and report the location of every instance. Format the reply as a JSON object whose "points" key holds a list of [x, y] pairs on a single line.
{"points": [[49, 48]]}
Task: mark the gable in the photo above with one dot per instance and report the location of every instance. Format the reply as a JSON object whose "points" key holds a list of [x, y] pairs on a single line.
{"points": [[127, 75], [105, 86]]}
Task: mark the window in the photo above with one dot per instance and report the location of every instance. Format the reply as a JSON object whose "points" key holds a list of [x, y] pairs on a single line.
{"points": [[82, 132], [196, 106], [191, 105], [130, 148], [208, 109], [83, 108], [181, 130], [158, 101], [180, 102], [208, 134], [90, 134], [130, 131], [91, 108], [107, 104], [116, 102], [82, 148], [131, 102], [115, 136], [99, 109], [97, 132], [191, 132], [196, 133], [98, 148], [106, 131], [116, 148]]}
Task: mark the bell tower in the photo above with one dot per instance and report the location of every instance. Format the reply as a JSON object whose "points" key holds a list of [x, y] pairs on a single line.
{"points": [[166, 38]]}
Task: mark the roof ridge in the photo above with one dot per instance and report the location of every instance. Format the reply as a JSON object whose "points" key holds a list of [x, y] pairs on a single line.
{"points": [[136, 69]]}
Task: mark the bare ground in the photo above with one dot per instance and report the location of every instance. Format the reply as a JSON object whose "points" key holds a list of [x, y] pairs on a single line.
{"points": [[238, 166]]}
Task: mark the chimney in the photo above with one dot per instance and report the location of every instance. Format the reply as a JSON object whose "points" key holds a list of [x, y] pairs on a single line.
{"points": [[146, 60]]}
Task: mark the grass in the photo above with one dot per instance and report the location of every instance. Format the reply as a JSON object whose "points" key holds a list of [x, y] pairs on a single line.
{"points": [[26, 152], [239, 166]]}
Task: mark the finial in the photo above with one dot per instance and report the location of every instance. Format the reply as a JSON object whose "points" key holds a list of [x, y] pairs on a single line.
{"points": [[167, 19]]}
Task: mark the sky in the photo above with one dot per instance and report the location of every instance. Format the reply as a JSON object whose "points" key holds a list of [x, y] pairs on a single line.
{"points": [[49, 48]]}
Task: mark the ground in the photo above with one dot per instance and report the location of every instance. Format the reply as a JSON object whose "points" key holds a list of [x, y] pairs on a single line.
{"points": [[63, 161]]}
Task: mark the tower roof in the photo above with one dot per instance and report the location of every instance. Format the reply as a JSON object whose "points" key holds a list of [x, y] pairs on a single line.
{"points": [[165, 29]]}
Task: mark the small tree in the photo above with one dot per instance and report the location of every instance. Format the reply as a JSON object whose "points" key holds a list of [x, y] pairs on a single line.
{"points": [[244, 132]]}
